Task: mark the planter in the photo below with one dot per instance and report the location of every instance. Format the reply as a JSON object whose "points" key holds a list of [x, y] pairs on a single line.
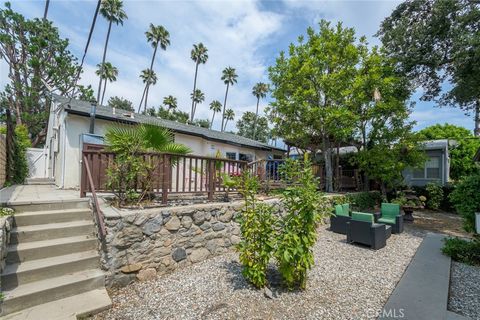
{"points": [[408, 210]]}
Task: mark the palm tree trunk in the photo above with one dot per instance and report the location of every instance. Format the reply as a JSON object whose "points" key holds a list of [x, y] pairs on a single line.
{"points": [[103, 60], [192, 114], [224, 106], [255, 121], [45, 13], [146, 97], [226, 121], [213, 117], [103, 93], [145, 91]]}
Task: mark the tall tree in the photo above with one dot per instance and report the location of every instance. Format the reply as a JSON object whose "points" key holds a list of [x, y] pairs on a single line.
{"points": [[259, 91], [215, 106], [173, 115], [229, 77], [37, 58], [253, 127], [148, 77], [157, 36], [436, 43], [112, 11], [120, 103], [170, 102], [108, 73], [311, 88], [199, 56], [197, 97], [229, 116]]}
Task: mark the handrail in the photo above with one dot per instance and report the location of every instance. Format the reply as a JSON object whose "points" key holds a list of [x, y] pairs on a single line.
{"points": [[98, 212]]}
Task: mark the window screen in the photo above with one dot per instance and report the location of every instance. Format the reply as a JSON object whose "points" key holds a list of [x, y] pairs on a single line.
{"points": [[231, 155], [433, 168]]}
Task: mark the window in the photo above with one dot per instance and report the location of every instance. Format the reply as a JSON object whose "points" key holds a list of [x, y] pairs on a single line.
{"points": [[245, 157], [430, 170], [231, 155]]}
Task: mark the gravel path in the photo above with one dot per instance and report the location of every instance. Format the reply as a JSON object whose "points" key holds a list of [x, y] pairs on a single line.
{"points": [[347, 282], [465, 290]]}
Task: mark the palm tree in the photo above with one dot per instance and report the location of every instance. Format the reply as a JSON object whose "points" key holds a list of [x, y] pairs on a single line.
{"points": [[229, 115], [112, 10], [158, 36], [259, 91], [170, 102], [197, 97], [149, 78], [198, 55], [229, 77], [106, 72], [215, 106]]}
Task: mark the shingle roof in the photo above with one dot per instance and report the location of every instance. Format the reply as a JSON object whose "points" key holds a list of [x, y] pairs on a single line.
{"points": [[83, 108]]}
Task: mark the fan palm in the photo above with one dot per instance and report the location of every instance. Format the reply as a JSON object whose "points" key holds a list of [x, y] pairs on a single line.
{"points": [[170, 102], [149, 78], [158, 36], [229, 115], [215, 106], [198, 55], [106, 72], [142, 138], [197, 97], [259, 91], [229, 77], [112, 10]]}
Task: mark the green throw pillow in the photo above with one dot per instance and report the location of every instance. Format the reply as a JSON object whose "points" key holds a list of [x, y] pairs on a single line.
{"points": [[360, 216]]}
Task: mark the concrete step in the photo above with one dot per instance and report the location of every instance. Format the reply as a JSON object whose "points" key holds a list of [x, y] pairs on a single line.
{"points": [[39, 181], [49, 248], [39, 292], [18, 274], [51, 231], [77, 306], [30, 218], [50, 205]]}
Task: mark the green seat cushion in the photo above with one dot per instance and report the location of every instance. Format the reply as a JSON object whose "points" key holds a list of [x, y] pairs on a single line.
{"points": [[386, 220], [390, 210], [339, 211], [346, 209], [360, 216]]}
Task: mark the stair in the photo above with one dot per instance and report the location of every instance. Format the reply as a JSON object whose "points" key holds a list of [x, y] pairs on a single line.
{"points": [[39, 181], [52, 264]]}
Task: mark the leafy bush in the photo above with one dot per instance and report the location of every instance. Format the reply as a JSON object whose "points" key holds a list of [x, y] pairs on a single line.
{"points": [[22, 142], [257, 223], [463, 250], [466, 200], [305, 207], [435, 195], [6, 212], [365, 200]]}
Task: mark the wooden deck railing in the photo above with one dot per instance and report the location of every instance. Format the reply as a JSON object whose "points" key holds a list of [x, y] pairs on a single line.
{"points": [[97, 211]]}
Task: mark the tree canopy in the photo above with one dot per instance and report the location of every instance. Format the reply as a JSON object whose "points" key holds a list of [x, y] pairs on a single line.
{"points": [[246, 127], [120, 103]]}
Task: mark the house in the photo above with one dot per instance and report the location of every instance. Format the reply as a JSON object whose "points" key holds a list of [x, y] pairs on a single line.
{"points": [[69, 124], [437, 166]]}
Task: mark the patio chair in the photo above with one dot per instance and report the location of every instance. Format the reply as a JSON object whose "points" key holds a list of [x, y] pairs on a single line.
{"points": [[390, 215], [338, 221], [362, 229]]}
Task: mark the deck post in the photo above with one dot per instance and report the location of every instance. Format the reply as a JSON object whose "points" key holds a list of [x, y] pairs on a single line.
{"points": [[211, 177]]}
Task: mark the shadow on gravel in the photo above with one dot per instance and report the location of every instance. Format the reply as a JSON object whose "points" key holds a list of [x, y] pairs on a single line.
{"points": [[274, 279]]}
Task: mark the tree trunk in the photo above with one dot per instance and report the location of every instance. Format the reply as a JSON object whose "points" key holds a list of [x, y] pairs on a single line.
{"points": [[146, 97], [143, 96], [327, 152], [147, 84], [224, 106], [477, 119], [103, 60], [103, 93], [255, 120], [226, 121], [213, 117], [192, 113]]}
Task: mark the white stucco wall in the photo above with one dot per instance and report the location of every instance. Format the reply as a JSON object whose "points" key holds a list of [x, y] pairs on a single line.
{"points": [[71, 127]]}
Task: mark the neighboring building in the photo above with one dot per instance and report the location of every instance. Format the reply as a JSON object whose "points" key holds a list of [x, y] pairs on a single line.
{"points": [[69, 124], [436, 168]]}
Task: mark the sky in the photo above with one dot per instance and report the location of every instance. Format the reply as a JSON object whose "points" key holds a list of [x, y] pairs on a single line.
{"points": [[246, 35]]}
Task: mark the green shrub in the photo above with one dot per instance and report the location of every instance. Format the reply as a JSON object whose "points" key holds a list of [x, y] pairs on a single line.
{"points": [[305, 207], [20, 165], [463, 250], [257, 222], [365, 200], [466, 200], [434, 195], [6, 212]]}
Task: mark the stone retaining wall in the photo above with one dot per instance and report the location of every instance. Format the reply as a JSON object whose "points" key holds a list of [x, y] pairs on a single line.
{"points": [[145, 243], [5, 227]]}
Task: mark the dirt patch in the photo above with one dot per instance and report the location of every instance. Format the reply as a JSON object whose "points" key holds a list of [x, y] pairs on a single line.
{"points": [[437, 221]]}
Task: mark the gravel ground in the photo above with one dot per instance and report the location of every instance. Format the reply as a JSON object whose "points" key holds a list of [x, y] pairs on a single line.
{"points": [[465, 290], [347, 282]]}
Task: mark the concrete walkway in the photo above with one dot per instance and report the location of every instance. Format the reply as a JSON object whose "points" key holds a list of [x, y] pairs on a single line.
{"points": [[27, 194], [422, 293]]}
